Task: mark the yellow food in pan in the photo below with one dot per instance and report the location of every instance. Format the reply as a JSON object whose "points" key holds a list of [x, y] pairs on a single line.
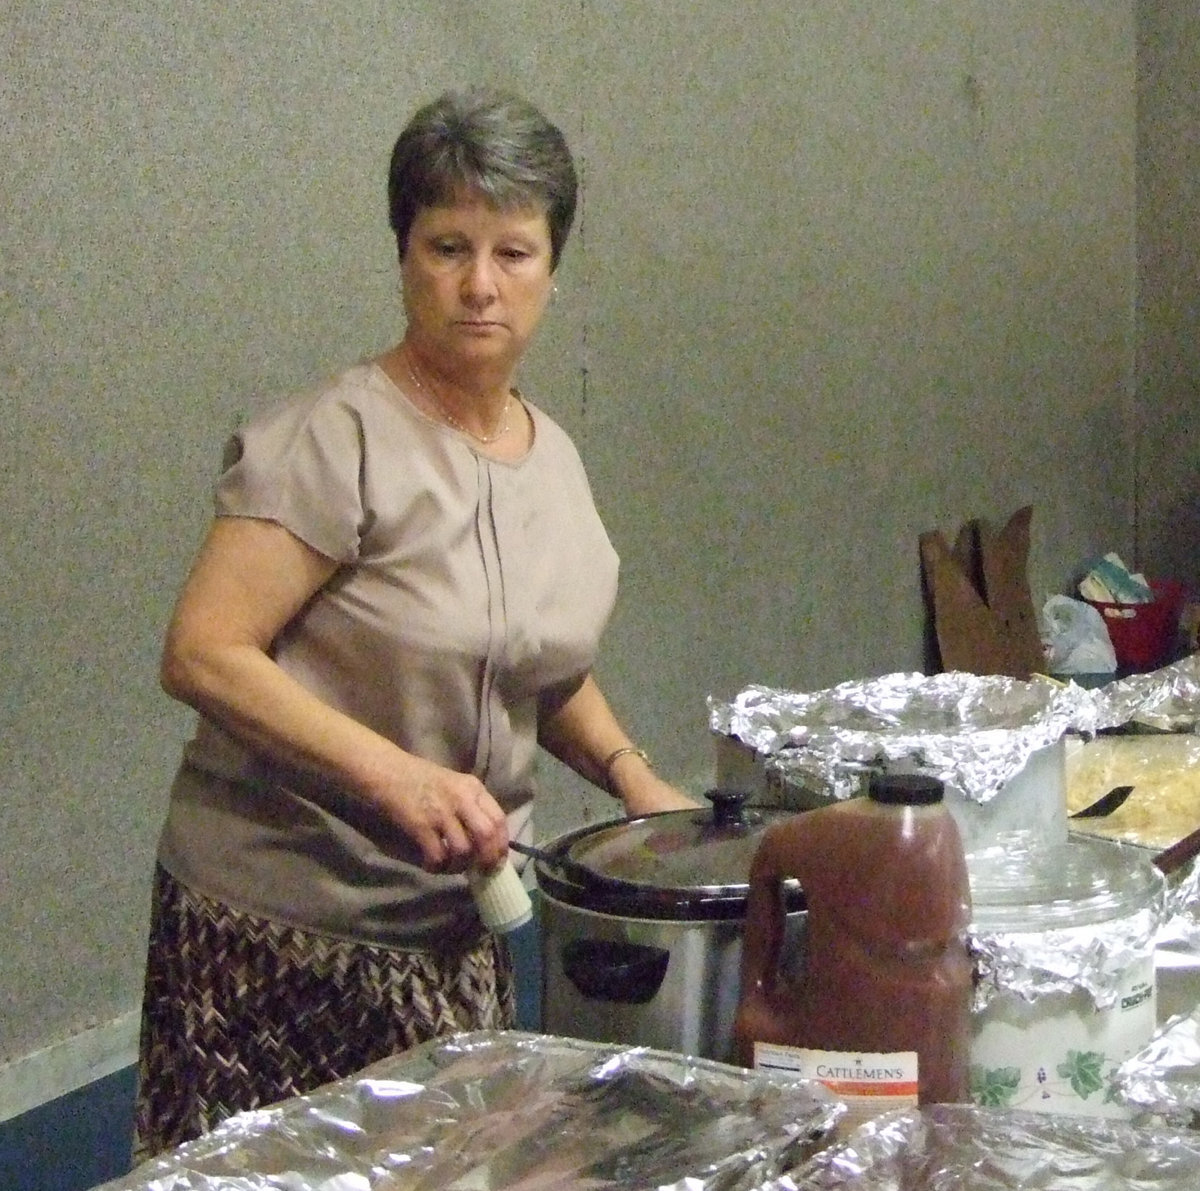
{"points": [[1164, 772]]}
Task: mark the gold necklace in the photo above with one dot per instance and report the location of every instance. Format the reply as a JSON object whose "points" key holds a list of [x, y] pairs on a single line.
{"points": [[484, 439]]}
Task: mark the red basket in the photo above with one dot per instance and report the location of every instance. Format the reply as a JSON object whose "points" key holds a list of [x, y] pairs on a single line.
{"points": [[1142, 635]]}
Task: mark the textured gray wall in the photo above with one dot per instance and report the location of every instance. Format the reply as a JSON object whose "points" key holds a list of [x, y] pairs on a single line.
{"points": [[1169, 290], [845, 272]]}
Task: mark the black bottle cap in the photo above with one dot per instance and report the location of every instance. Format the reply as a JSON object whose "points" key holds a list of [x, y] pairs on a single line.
{"points": [[905, 789]]}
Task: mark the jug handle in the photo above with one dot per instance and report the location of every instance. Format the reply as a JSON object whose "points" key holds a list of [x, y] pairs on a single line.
{"points": [[765, 919]]}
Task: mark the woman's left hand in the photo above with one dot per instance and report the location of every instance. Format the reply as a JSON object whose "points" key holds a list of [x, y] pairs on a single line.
{"points": [[582, 732], [649, 794]]}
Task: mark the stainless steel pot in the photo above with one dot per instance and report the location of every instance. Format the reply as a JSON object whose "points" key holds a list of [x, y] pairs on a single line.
{"points": [[642, 923]]}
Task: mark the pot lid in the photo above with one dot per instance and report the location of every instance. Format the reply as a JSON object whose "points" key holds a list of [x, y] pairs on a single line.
{"points": [[1018, 886], [687, 864]]}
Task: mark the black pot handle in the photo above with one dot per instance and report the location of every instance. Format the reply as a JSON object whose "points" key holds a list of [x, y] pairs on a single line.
{"points": [[607, 970]]}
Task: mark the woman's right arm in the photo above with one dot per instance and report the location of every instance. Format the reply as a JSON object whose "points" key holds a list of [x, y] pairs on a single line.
{"points": [[250, 578]]}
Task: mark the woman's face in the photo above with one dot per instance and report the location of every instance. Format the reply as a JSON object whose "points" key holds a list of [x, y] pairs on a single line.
{"points": [[476, 281]]}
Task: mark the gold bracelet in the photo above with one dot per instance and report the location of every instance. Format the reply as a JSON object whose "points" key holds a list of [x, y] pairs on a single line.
{"points": [[627, 750]]}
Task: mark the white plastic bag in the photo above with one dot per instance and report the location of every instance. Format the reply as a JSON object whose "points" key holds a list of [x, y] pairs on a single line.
{"points": [[1075, 638]]}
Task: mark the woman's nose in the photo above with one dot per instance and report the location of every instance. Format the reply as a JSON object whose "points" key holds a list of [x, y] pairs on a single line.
{"points": [[479, 282]]}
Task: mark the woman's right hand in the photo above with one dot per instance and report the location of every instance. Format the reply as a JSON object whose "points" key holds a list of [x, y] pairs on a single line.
{"points": [[451, 817]]}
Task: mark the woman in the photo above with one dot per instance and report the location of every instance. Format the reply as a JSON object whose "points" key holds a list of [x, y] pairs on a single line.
{"points": [[400, 598]]}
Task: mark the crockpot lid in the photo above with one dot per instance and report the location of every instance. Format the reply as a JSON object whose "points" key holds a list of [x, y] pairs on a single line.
{"points": [[701, 852], [1018, 887]]}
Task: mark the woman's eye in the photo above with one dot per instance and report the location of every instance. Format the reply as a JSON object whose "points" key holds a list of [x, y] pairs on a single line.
{"points": [[447, 248], [515, 254]]}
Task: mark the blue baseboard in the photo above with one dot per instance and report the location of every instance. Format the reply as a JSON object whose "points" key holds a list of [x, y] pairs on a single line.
{"points": [[526, 945], [74, 1142]]}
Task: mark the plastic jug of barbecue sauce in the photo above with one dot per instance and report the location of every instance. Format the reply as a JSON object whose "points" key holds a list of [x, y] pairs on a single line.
{"points": [[879, 1009]]}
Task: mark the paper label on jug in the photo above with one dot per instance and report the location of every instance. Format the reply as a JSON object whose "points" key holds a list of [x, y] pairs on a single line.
{"points": [[868, 1083]]}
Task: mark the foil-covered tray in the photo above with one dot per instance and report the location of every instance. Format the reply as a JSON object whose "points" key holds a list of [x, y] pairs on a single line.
{"points": [[500, 1111], [1162, 1081], [1177, 949], [976, 732], [958, 1148]]}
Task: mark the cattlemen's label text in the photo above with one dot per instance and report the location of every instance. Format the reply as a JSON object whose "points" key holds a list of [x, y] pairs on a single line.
{"points": [[858, 1071]]}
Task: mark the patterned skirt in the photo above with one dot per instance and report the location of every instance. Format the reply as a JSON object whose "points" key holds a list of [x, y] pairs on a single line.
{"points": [[240, 1011]]}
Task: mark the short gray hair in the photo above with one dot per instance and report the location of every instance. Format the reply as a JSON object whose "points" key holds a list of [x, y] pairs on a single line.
{"points": [[489, 142]]}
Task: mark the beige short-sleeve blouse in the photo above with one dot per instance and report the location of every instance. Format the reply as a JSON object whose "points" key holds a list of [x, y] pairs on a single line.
{"points": [[468, 586]]}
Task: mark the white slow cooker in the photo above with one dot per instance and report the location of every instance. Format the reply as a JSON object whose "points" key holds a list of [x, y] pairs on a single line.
{"points": [[1064, 941]]}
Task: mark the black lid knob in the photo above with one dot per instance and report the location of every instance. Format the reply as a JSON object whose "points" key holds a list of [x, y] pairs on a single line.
{"points": [[728, 807], [905, 789]]}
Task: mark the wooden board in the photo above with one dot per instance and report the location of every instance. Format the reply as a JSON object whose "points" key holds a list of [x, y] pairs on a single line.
{"points": [[983, 614]]}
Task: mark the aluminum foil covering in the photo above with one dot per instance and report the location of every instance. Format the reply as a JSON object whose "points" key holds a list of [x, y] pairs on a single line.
{"points": [[952, 1147], [975, 732], [1166, 699], [1176, 970], [1163, 1079], [492, 1111], [1182, 917], [1051, 920], [1033, 964]]}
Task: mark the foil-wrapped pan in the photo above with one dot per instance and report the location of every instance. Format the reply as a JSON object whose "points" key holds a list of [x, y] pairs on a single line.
{"points": [[975, 732], [1163, 1079], [499, 1111], [959, 1148]]}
